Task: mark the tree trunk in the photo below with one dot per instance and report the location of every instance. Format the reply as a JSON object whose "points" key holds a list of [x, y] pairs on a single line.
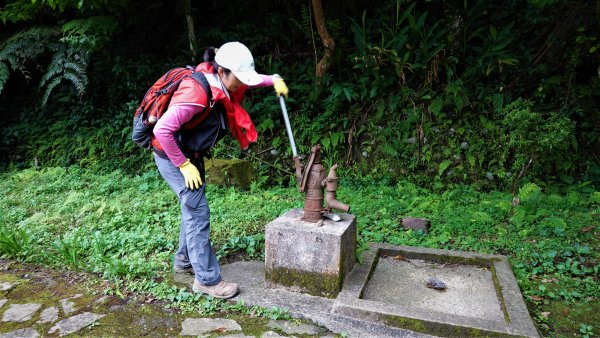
{"points": [[328, 41], [187, 5]]}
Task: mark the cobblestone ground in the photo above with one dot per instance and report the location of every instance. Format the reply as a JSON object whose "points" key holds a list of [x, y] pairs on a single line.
{"points": [[35, 301]]}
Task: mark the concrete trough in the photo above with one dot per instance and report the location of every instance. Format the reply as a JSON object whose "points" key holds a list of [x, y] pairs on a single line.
{"points": [[481, 296]]}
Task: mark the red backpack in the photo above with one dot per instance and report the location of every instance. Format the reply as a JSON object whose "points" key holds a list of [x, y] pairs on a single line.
{"points": [[156, 101]]}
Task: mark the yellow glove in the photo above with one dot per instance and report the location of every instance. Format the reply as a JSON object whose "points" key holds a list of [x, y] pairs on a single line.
{"points": [[279, 85], [191, 175]]}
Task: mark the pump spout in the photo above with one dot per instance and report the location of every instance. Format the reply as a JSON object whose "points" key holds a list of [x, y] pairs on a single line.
{"points": [[331, 185]]}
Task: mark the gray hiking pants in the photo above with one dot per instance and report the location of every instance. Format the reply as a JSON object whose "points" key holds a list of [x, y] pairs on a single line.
{"points": [[194, 249]]}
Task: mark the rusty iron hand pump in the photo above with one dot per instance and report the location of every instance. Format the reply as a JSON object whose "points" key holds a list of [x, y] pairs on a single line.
{"points": [[312, 180]]}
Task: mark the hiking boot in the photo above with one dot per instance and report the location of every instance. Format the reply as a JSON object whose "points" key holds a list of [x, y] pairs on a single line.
{"points": [[222, 290], [180, 269]]}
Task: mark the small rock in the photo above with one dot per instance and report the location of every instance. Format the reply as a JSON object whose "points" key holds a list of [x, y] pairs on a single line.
{"points": [[150, 323], [75, 323], [5, 286], [102, 299], [200, 326], [237, 335], [67, 306], [49, 282], [2, 302], [20, 312], [49, 315], [416, 224], [293, 328], [435, 283], [21, 333], [115, 308]]}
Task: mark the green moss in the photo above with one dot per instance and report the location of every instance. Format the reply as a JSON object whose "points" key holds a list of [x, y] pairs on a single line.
{"points": [[251, 326], [233, 172], [438, 329], [499, 294], [11, 279], [139, 320], [437, 258], [316, 284]]}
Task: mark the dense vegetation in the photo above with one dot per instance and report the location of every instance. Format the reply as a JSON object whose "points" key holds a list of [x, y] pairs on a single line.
{"points": [[70, 217], [439, 92], [481, 116]]}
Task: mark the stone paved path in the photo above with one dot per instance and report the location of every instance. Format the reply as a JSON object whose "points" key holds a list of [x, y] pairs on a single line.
{"points": [[39, 302]]}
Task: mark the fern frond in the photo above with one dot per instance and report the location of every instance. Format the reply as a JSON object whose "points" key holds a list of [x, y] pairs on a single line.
{"points": [[55, 67], [27, 45], [69, 64], [78, 81], [4, 74], [11, 59], [77, 68], [49, 89]]}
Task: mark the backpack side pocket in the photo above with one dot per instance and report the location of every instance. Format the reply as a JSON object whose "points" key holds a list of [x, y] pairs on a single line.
{"points": [[142, 133]]}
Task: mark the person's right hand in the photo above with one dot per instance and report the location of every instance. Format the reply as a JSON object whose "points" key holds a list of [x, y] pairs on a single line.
{"points": [[280, 86], [191, 175]]}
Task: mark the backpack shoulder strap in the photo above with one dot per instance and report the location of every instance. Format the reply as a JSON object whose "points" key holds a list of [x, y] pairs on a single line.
{"points": [[203, 82]]}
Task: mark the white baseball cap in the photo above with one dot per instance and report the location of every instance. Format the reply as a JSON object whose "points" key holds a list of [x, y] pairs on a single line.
{"points": [[237, 58]]}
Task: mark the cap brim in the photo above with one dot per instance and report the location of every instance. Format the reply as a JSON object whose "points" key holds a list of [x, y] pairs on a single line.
{"points": [[250, 78]]}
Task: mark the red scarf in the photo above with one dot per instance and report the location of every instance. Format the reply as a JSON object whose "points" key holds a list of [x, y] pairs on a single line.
{"points": [[238, 119]]}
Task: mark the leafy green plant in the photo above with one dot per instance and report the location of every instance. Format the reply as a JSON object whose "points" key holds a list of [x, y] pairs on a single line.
{"points": [[253, 246], [67, 252], [535, 137], [89, 33], [16, 244], [586, 330]]}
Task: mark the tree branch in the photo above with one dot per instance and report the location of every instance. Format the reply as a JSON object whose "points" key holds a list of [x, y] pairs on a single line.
{"points": [[187, 5], [328, 41]]}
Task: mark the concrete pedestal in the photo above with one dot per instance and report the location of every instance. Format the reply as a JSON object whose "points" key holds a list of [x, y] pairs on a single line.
{"points": [[304, 257]]}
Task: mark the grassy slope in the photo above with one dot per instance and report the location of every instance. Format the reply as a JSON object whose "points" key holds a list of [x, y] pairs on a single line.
{"points": [[127, 229]]}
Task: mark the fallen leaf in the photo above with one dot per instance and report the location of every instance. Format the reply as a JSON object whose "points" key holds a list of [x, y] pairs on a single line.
{"points": [[221, 330], [545, 314], [588, 229], [536, 298], [565, 311], [399, 258]]}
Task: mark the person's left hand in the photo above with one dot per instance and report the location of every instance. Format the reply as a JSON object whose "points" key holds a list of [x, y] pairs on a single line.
{"points": [[280, 86]]}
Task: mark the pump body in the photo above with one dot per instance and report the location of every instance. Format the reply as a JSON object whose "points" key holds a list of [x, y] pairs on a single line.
{"points": [[312, 181]]}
